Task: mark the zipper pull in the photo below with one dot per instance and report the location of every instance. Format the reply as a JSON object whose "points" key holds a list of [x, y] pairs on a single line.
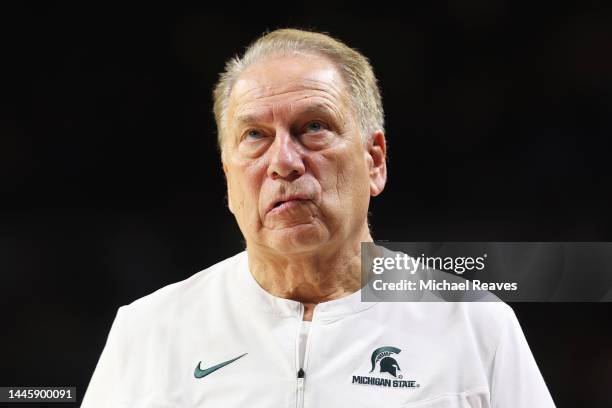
{"points": [[300, 374]]}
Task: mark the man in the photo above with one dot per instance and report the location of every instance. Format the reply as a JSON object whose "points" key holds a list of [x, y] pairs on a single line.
{"points": [[300, 126]]}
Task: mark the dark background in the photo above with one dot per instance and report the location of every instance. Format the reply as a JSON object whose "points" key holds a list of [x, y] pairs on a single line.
{"points": [[498, 122]]}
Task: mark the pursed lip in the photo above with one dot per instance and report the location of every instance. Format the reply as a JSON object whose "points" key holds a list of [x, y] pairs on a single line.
{"points": [[284, 199]]}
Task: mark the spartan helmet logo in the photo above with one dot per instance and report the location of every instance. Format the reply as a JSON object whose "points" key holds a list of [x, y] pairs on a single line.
{"points": [[387, 363]]}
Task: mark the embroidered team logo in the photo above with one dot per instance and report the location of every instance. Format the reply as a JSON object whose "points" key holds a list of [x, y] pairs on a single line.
{"points": [[384, 360], [388, 364]]}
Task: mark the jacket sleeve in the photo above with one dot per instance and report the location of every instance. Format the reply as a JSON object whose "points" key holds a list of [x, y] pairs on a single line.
{"points": [[104, 384], [516, 379]]}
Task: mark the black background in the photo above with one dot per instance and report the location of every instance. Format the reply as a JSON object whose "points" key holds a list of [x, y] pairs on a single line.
{"points": [[498, 114]]}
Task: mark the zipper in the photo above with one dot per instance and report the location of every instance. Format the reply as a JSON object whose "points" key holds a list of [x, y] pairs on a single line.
{"points": [[301, 372], [299, 398], [300, 389]]}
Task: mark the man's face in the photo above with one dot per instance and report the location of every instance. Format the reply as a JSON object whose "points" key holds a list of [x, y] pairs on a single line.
{"points": [[298, 174]]}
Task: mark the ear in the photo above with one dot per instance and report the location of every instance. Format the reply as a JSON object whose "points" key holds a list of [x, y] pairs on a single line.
{"points": [[376, 157], [229, 195]]}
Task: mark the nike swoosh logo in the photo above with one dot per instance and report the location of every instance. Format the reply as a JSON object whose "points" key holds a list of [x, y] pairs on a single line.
{"points": [[199, 373]]}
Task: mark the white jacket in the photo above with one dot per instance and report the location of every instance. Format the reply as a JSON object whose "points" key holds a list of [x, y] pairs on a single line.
{"points": [[242, 342]]}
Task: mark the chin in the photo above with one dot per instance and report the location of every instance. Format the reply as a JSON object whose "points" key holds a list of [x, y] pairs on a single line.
{"points": [[298, 238]]}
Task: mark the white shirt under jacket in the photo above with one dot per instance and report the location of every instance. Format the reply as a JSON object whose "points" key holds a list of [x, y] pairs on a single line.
{"points": [[425, 355]]}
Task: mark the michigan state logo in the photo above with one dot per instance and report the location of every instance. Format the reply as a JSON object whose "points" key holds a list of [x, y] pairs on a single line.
{"points": [[384, 360], [388, 364]]}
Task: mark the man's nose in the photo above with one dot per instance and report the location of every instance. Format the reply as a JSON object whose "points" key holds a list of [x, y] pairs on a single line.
{"points": [[286, 160]]}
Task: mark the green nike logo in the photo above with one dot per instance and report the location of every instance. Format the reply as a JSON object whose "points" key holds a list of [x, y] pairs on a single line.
{"points": [[199, 373]]}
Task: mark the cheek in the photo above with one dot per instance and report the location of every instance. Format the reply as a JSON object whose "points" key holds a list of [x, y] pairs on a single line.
{"points": [[326, 172], [245, 183], [343, 177]]}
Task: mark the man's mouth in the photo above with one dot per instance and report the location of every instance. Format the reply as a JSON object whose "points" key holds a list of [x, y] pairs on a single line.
{"points": [[287, 202]]}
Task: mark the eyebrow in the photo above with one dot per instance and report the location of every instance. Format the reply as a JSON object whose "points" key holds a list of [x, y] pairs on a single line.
{"points": [[247, 118], [313, 109], [321, 108]]}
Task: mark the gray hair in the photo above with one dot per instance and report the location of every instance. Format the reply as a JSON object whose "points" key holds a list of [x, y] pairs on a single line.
{"points": [[364, 94]]}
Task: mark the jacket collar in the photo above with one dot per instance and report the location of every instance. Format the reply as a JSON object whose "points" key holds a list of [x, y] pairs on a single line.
{"points": [[258, 298]]}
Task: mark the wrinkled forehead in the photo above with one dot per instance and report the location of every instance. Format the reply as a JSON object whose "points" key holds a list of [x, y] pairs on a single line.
{"points": [[287, 80]]}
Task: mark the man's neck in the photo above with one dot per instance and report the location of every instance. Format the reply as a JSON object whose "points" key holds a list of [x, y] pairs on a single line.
{"points": [[310, 278]]}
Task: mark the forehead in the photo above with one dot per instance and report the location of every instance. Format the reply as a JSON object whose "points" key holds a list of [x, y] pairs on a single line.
{"points": [[283, 82]]}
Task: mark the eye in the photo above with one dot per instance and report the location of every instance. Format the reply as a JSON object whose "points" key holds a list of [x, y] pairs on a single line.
{"points": [[314, 127], [253, 134]]}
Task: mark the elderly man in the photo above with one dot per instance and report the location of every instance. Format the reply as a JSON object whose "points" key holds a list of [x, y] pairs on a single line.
{"points": [[300, 126]]}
